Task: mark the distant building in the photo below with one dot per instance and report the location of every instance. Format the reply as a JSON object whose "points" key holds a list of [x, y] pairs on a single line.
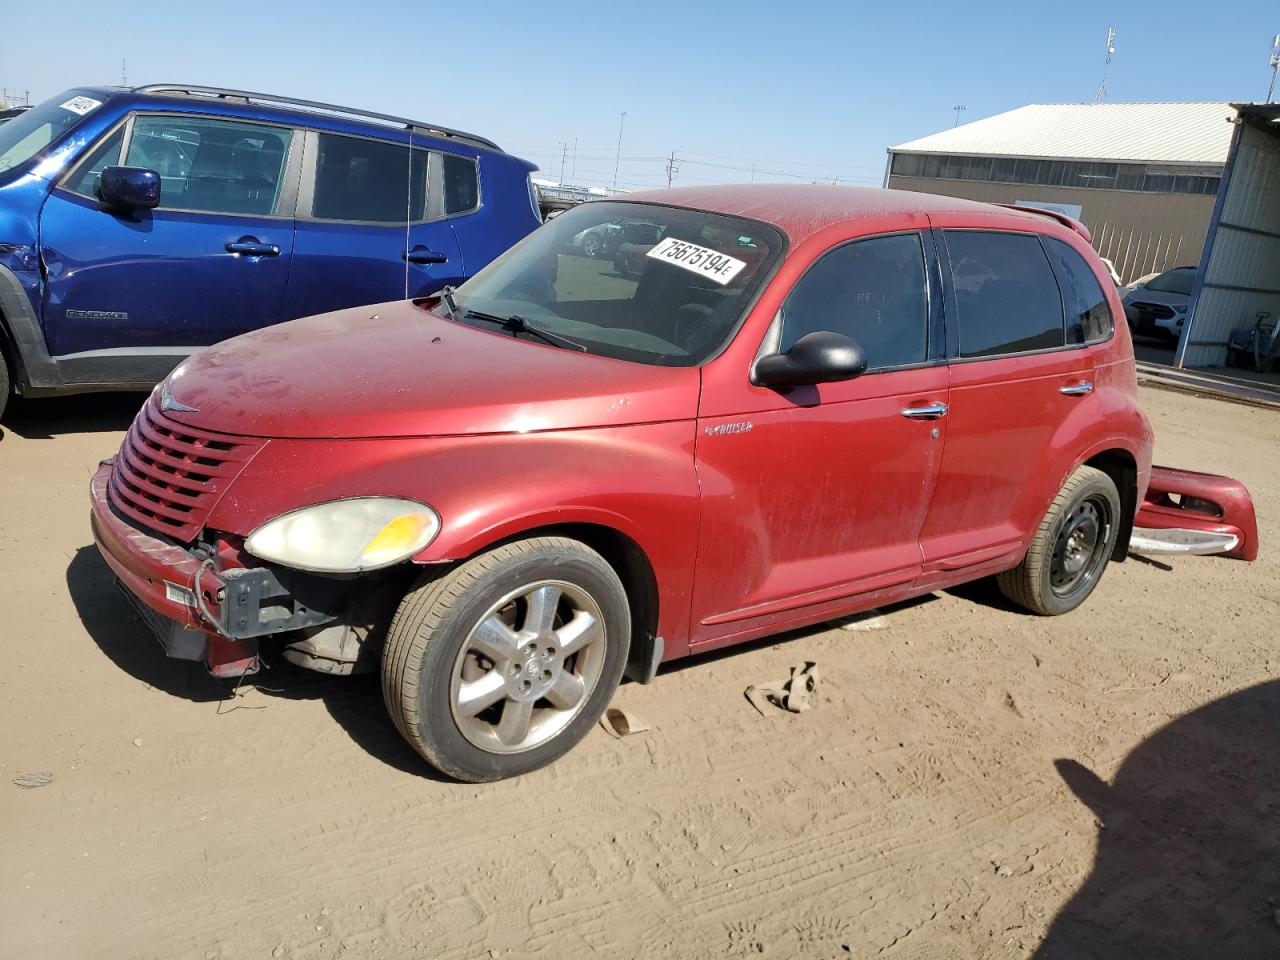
{"points": [[1141, 176]]}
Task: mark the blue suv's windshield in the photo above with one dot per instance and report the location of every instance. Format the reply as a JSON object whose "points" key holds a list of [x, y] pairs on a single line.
{"points": [[28, 133]]}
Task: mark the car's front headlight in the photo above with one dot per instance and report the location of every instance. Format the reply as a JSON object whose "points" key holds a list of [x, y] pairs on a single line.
{"points": [[346, 536]]}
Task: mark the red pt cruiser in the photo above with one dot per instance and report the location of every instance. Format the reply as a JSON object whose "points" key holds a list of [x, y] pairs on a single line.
{"points": [[795, 403]]}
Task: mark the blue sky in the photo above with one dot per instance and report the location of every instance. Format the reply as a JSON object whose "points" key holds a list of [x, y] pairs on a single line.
{"points": [[804, 90]]}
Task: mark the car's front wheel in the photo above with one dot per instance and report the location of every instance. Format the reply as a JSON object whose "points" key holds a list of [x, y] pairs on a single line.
{"points": [[503, 664], [1071, 547]]}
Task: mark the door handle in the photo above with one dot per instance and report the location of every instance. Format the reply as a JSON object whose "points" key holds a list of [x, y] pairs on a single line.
{"points": [[930, 411], [252, 248], [1077, 389], [422, 255]]}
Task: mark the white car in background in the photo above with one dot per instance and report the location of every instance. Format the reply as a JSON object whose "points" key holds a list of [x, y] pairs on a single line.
{"points": [[1157, 306]]}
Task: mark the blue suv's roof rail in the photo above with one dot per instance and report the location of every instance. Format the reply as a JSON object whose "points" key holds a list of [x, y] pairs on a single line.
{"points": [[314, 105]]}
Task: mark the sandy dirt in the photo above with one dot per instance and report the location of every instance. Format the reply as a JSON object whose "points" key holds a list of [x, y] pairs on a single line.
{"points": [[974, 782]]}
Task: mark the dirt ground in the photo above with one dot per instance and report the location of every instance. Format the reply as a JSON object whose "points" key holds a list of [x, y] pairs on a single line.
{"points": [[975, 782]]}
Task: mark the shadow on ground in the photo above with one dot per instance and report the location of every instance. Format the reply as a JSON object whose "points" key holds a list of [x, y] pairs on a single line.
{"points": [[354, 702], [44, 419], [1188, 861]]}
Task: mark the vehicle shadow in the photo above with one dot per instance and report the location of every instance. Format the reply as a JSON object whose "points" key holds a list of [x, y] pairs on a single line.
{"points": [[774, 639], [1188, 861], [44, 419], [355, 703], [985, 592]]}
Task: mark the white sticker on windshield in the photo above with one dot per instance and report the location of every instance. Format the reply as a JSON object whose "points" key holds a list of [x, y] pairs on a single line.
{"points": [[720, 267], [81, 105]]}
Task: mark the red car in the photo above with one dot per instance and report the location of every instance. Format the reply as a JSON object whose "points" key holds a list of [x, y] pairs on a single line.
{"points": [[800, 403]]}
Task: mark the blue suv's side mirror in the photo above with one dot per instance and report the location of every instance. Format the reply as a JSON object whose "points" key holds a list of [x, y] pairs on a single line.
{"points": [[129, 188]]}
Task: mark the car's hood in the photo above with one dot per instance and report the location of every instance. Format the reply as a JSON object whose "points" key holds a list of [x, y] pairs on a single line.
{"points": [[396, 370], [1166, 297]]}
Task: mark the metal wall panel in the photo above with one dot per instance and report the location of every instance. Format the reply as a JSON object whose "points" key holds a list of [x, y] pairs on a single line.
{"points": [[1240, 275], [1140, 233]]}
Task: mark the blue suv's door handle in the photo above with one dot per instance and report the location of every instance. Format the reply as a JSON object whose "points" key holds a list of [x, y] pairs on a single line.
{"points": [[252, 248], [423, 255]]}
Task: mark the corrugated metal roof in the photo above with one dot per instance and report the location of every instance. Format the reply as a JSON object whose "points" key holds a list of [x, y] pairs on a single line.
{"points": [[1142, 132]]}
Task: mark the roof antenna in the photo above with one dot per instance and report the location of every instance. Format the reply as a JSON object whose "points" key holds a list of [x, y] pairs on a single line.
{"points": [[1101, 92]]}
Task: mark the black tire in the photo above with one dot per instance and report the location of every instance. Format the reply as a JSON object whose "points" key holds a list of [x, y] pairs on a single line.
{"points": [[6, 382], [429, 650], [1045, 581]]}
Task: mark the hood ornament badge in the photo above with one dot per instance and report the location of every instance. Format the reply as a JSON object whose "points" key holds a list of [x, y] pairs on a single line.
{"points": [[169, 402]]}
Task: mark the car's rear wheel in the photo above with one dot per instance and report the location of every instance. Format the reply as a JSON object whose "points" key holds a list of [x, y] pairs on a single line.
{"points": [[1071, 547], [503, 664]]}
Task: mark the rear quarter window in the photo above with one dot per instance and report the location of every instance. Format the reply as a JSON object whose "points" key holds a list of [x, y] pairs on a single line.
{"points": [[461, 185], [1006, 295], [1088, 314]]}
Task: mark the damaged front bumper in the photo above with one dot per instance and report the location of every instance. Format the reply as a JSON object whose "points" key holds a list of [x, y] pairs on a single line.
{"points": [[1195, 513], [199, 607]]}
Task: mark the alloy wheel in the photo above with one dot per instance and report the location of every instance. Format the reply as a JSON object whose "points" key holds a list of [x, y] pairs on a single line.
{"points": [[528, 666]]}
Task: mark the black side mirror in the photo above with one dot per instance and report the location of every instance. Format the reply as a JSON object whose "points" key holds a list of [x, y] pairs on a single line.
{"points": [[129, 188], [820, 357]]}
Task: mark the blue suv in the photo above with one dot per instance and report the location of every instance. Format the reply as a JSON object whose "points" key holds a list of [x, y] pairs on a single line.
{"points": [[139, 225]]}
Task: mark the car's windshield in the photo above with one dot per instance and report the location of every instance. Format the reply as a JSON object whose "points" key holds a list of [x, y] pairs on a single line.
{"points": [[32, 130], [669, 286], [1175, 281]]}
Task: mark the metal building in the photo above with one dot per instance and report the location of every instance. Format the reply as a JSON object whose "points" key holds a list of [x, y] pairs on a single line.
{"points": [[1239, 275], [1141, 176]]}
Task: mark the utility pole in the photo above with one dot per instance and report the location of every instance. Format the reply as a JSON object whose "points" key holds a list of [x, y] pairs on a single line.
{"points": [[1101, 92], [573, 174], [673, 171], [1275, 64], [753, 179], [564, 153], [618, 157], [124, 72], [957, 109]]}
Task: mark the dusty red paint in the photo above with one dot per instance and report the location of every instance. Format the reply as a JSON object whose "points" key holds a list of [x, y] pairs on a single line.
{"points": [[1234, 514]]}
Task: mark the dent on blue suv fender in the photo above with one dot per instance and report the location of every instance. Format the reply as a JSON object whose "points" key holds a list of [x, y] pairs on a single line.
{"points": [[36, 368]]}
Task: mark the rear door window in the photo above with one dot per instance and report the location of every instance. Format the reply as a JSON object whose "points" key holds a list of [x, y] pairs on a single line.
{"points": [[1089, 317], [215, 166], [1006, 295], [367, 181], [872, 290]]}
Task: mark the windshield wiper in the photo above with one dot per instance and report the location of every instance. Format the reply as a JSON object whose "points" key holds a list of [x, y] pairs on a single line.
{"points": [[518, 324], [449, 299]]}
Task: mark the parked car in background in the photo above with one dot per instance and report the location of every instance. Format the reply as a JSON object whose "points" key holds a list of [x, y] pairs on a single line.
{"points": [[137, 226], [597, 241], [506, 497], [1157, 306]]}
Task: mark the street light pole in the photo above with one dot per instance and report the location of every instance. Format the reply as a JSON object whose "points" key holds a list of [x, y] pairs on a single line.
{"points": [[618, 157]]}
